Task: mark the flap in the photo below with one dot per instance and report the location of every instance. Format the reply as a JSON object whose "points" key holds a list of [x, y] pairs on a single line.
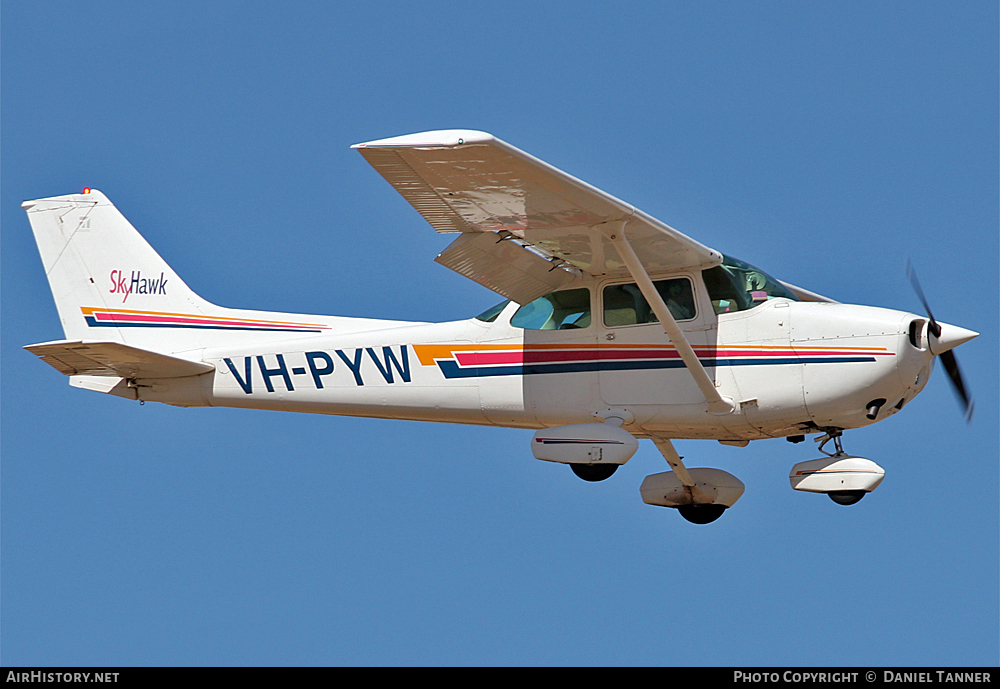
{"points": [[74, 358], [504, 266], [469, 181]]}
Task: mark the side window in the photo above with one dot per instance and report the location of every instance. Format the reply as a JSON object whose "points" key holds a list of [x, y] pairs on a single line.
{"points": [[724, 292], [625, 305], [565, 310]]}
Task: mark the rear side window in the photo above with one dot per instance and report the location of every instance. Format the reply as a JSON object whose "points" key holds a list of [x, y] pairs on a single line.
{"points": [[625, 305], [565, 310]]}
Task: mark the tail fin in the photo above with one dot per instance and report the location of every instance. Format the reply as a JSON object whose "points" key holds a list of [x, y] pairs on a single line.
{"points": [[100, 269], [110, 286]]}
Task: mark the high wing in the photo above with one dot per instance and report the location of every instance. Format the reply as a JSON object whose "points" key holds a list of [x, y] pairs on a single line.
{"points": [[527, 227], [806, 295]]}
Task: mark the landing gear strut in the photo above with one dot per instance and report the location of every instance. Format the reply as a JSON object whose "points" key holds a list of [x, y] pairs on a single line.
{"points": [[833, 435]]}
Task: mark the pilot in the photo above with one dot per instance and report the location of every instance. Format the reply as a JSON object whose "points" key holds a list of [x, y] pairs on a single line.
{"points": [[756, 286], [755, 281]]}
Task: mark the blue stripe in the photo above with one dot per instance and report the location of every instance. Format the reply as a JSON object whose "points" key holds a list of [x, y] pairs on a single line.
{"points": [[93, 323]]}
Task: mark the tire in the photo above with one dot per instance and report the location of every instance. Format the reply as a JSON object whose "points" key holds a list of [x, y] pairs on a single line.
{"points": [[701, 514], [846, 497], [594, 472]]}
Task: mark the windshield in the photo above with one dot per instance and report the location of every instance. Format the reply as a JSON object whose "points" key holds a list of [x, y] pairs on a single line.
{"points": [[737, 286]]}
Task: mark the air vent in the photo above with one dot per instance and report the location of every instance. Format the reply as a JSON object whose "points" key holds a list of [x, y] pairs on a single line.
{"points": [[916, 332]]}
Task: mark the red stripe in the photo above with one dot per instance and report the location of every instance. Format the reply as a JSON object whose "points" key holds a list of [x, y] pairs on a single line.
{"points": [[545, 356], [139, 318]]}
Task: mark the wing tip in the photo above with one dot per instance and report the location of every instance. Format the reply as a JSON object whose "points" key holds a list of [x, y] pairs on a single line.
{"points": [[440, 138]]}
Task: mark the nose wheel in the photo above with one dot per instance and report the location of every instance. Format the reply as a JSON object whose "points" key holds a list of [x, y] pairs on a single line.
{"points": [[846, 497]]}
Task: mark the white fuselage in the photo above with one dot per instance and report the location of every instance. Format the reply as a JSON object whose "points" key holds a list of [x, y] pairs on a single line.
{"points": [[789, 367]]}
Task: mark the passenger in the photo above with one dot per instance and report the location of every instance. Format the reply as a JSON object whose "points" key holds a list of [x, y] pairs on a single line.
{"points": [[679, 301]]}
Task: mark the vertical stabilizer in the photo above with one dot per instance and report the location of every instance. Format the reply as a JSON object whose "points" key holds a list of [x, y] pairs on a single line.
{"points": [[110, 285], [101, 271]]}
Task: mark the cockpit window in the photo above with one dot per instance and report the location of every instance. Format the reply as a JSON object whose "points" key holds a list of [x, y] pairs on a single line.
{"points": [[738, 286], [565, 310], [490, 314]]}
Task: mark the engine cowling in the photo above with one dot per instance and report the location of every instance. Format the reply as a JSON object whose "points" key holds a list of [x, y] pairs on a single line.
{"points": [[584, 443], [836, 474]]}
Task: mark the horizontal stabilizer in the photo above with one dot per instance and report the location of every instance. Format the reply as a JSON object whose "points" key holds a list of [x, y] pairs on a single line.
{"points": [[76, 358]]}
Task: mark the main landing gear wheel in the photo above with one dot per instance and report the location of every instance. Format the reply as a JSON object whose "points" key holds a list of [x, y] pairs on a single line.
{"points": [[846, 497], [594, 472], [701, 514]]}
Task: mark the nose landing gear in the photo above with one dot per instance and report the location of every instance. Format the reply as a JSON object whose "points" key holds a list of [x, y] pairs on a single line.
{"points": [[841, 497], [845, 478], [833, 435]]}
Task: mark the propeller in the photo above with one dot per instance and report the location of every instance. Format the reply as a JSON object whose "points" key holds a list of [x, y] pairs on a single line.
{"points": [[944, 340]]}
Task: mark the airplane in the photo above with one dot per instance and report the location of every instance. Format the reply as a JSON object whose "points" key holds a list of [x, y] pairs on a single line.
{"points": [[614, 327]]}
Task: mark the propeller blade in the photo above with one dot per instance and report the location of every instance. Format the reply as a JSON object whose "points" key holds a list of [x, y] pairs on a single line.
{"points": [[950, 364], [934, 328], [948, 359]]}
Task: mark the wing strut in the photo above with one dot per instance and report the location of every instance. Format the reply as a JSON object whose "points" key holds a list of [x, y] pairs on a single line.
{"points": [[717, 404]]}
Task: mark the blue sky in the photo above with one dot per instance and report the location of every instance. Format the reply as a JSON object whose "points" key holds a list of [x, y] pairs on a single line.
{"points": [[824, 142]]}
